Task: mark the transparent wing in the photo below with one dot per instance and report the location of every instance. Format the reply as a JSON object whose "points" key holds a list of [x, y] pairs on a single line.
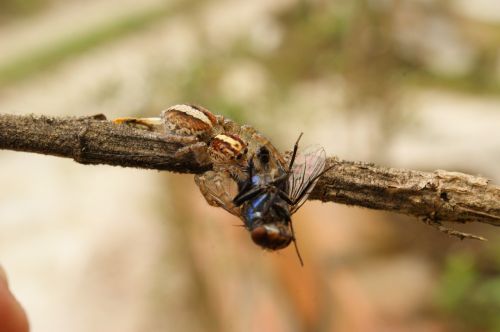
{"points": [[219, 190], [308, 165]]}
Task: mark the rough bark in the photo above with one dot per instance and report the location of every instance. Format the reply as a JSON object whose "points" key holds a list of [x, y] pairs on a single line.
{"points": [[93, 140], [432, 196]]}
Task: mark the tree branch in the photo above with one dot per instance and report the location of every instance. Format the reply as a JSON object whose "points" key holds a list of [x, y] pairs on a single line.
{"points": [[93, 140], [431, 196]]}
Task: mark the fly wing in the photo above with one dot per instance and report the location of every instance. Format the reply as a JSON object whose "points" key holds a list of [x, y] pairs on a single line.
{"points": [[219, 189], [308, 165]]}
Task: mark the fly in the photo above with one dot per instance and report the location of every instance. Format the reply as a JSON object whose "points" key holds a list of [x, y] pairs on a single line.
{"points": [[270, 192]]}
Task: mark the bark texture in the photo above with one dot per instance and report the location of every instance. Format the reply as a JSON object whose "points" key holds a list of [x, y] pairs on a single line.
{"points": [[432, 196]]}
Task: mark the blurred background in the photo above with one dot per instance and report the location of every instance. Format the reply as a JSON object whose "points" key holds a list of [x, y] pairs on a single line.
{"points": [[402, 83]]}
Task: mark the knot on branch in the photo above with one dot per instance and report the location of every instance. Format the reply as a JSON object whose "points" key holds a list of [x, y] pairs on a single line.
{"points": [[80, 146]]}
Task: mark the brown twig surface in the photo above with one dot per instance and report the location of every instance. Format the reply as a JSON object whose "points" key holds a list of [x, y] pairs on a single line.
{"points": [[431, 196]]}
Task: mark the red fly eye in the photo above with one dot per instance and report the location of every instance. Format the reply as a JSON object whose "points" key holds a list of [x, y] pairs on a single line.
{"points": [[259, 236], [270, 237]]}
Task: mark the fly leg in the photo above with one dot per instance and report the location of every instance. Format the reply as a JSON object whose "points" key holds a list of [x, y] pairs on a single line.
{"points": [[294, 153], [248, 195]]}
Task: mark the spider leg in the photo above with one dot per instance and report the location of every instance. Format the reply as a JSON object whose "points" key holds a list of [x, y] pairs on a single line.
{"points": [[199, 150], [150, 123]]}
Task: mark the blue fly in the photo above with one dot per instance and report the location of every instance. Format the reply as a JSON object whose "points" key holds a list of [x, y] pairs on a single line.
{"points": [[272, 189]]}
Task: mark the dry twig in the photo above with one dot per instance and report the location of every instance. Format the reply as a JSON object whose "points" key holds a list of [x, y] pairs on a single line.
{"points": [[431, 196]]}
